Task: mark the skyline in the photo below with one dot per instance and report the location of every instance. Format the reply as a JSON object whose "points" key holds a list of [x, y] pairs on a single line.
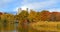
{"points": [[37, 5]]}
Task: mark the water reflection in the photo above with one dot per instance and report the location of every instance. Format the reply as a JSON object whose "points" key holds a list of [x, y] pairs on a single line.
{"points": [[8, 27], [9, 31]]}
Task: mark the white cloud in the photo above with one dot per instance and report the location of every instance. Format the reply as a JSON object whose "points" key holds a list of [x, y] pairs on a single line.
{"points": [[54, 10], [3, 2], [1, 11], [38, 5], [16, 9], [6, 1]]}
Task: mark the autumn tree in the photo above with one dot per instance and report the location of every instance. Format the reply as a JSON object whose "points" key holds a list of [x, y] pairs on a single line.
{"points": [[23, 15], [6, 20], [45, 15], [58, 16], [55, 16], [32, 16]]}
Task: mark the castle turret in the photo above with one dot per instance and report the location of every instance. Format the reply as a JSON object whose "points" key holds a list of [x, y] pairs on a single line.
{"points": [[27, 9], [19, 10]]}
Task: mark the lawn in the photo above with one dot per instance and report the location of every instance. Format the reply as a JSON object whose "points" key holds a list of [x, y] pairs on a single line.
{"points": [[46, 26]]}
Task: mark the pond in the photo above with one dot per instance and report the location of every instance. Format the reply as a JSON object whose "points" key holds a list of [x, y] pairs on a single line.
{"points": [[9, 31], [11, 26]]}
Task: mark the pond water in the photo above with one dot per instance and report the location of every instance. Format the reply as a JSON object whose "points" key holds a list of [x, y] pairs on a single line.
{"points": [[10, 31], [15, 29]]}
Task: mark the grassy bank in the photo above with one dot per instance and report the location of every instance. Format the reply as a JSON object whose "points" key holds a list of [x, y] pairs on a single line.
{"points": [[46, 26]]}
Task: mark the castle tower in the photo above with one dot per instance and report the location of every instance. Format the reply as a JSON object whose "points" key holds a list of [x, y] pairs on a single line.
{"points": [[19, 10], [27, 9]]}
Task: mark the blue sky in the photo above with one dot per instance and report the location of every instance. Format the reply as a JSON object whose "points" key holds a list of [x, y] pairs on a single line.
{"points": [[38, 5]]}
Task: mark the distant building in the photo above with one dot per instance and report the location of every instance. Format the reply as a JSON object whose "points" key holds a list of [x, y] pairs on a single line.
{"points": [[20, 9]]}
